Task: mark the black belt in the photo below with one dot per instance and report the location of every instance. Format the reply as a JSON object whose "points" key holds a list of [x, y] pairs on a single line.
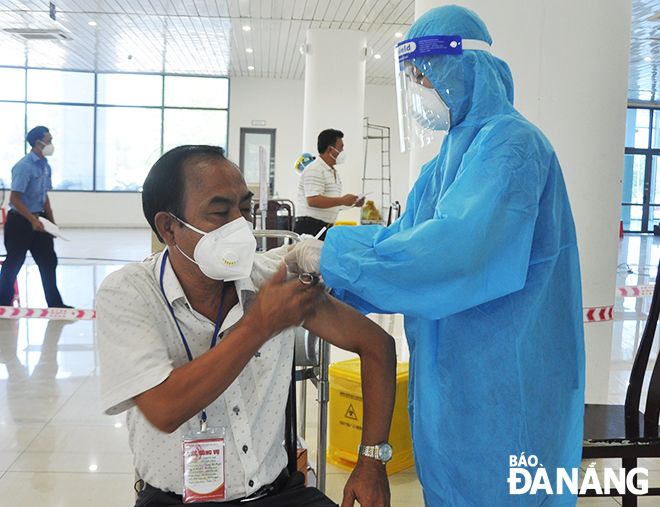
{"points": [[269, 489], [35, 213], [312, 220]]}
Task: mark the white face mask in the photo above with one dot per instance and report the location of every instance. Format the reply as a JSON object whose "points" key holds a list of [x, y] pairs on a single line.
{"points": [[341, 156], [225, 253], [48, 149], [428, 108]]}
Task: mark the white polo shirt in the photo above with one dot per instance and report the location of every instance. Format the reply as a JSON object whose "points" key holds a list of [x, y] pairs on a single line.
{"points": [[139, 345], [318, 178]]}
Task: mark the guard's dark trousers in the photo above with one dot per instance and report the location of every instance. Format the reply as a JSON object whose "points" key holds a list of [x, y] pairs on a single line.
{"points": [[19, 238]]}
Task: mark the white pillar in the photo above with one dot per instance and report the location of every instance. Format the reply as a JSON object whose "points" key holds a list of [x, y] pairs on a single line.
{"points": [[570, 67], [335, 78]]}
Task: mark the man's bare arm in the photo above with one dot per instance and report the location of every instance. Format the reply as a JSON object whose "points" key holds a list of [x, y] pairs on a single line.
{"points": [[345, 327], [48, 210], [323, 202]]}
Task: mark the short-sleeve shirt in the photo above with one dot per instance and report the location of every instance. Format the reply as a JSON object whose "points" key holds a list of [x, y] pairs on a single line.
{"points": [[31, 176], [139, 346], [318, 178]]}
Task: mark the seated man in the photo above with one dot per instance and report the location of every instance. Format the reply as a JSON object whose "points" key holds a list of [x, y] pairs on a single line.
{"points": [[159, 321]]}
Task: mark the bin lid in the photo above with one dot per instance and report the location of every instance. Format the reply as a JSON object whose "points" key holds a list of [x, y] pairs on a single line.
{"points": [[350, 370]]}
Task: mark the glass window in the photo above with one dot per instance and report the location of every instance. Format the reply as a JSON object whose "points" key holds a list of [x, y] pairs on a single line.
{"points": [[60, 86], [191, 126], [72, 128], [654, 218], [637, 128], [182, 91], [633, 179], [654, 198], [128, 144], [109, 128], [13, 84], [655, 133], [130, 89], [631, 216], [12, 133]]}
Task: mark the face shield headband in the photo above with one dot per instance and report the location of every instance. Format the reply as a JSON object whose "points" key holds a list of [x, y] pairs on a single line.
{"points": [[423, 114]]}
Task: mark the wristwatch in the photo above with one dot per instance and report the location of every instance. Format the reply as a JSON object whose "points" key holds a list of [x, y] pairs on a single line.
{"points": [[381, 452]]}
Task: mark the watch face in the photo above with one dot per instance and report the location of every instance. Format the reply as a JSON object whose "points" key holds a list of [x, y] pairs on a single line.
{"points": [[385, 452]]}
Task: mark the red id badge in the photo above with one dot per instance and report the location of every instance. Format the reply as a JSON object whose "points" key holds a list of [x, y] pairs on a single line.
{"points": [[204, 466]]}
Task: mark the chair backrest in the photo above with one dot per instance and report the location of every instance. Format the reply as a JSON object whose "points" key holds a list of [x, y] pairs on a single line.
{"points": [[279, 216], [635, 386], [282, 209]]}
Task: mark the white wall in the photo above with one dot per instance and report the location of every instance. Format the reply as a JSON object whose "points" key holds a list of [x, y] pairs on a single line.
{"points": [[97, 209], [278, 102]]}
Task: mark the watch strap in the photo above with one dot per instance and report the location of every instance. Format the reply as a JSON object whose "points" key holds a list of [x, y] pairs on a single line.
{"points": [[370, 451]]}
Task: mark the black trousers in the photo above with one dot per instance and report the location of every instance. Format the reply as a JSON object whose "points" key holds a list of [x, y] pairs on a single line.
{"points": [[311, 226], [293, 493], [19, 238]]}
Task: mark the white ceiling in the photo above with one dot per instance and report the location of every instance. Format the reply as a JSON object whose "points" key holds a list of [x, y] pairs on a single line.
{"points": [[643, 82], [200, 37], [206, 37]]}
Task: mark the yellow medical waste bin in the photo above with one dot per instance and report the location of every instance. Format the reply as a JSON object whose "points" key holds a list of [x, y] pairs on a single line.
{"points": [[345, 416]]}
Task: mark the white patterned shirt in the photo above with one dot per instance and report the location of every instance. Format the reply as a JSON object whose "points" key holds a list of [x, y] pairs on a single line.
{"points": [[318, 178], [139, 346]]}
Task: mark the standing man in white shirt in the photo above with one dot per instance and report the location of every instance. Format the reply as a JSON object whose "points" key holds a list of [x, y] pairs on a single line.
{"points": [[199, 337], [320, 189]]}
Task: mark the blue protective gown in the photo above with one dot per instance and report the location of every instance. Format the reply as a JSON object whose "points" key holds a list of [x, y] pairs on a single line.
{"points": [[484, 266]]}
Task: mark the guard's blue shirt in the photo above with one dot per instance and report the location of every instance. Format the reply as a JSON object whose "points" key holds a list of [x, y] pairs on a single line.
{"points": [[31, 176], [484, 266]]}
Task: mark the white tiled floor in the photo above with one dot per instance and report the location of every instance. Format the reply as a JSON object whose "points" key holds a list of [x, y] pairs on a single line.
{"points": [[57, 449]]}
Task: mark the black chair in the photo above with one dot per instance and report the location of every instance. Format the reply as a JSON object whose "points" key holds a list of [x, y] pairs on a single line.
{"points": [[279, 216], [623, 431]]}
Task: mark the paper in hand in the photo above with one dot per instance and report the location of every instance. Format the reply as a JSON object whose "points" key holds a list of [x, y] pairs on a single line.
{"points": [[51, 228]]}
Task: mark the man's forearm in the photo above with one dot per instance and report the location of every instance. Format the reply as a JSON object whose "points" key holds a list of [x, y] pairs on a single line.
{"points": [[48, 210], [323, 202], [195, 385], [378, 371]]}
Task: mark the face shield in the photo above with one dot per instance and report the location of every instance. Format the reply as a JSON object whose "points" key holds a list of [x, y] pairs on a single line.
{"points": [[423, 114]]}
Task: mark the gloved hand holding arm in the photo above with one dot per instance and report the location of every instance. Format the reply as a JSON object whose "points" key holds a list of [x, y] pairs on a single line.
{"points": [[305, 256]]}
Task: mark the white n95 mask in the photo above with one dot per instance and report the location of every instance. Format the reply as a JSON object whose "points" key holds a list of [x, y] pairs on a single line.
{"points": [[341, 156], [428, 108], [225, 253], [48, 150]]}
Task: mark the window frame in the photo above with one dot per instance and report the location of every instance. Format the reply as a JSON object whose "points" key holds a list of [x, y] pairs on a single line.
{"points": [[649, 152], [96, 105]]}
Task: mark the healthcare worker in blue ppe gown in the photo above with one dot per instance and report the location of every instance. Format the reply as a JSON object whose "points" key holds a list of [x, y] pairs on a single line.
{"points": [[484, 266]]}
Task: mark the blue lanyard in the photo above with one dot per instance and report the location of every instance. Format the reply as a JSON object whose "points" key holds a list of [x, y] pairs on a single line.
{"points": [[183, 338]]}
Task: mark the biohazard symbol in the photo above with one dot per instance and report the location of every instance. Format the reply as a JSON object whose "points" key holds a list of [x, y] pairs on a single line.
{"points": [[350, 413]]}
